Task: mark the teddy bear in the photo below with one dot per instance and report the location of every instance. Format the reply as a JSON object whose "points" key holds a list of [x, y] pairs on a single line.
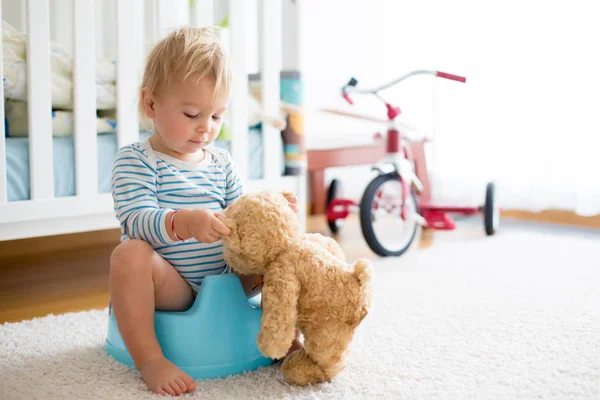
{"points": [[307, 284]]}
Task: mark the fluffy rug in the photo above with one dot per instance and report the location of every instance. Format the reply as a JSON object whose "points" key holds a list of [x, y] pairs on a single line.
{"points": [[513, 316]]}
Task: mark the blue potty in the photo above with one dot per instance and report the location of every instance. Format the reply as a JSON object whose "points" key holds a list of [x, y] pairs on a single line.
{"points": [[215, 338]]}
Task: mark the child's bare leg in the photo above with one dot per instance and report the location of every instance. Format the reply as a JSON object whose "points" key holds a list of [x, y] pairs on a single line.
{"points": [[140, 282], [252, 285]]}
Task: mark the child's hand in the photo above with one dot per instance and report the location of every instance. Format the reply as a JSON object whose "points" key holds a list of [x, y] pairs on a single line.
{"points": [[292, 200], [202, 225]]}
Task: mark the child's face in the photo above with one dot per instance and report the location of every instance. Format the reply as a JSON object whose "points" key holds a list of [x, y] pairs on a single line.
{"points": [[186, 116]]}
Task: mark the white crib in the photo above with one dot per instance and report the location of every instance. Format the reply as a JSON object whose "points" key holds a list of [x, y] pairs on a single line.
{"points": [[133, 25]]}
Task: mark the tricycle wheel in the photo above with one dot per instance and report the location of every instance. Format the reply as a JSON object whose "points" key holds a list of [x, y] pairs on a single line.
{"points": [[332, 192], [383, 228], [491, 211]]}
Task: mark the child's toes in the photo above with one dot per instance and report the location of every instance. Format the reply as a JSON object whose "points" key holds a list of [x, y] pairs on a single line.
{"points": [[167, 388], [181, 384], [175, 386], [191, 385]]}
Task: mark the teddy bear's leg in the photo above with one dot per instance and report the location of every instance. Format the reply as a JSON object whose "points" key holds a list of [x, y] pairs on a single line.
{"points": [[328, 346], [299, 369]]}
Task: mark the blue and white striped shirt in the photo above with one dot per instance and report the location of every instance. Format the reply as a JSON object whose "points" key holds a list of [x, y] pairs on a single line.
{"points": [[147, 185]]}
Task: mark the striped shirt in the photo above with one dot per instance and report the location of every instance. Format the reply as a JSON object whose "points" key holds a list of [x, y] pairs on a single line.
{"points": [[147, 185]]}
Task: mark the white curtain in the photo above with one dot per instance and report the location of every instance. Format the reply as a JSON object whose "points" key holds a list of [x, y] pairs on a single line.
{"points": [[528, 117]]}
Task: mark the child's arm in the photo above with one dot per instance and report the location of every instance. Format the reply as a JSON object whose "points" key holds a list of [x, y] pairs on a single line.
{"points": [[134, 197], [136, 206]]}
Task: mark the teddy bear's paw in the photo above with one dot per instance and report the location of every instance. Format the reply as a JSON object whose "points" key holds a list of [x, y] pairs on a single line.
{"points": [[271, 346], [299, 369]]}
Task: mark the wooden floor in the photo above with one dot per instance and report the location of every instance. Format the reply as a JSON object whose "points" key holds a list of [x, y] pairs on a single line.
{"points": [[70, 273]]}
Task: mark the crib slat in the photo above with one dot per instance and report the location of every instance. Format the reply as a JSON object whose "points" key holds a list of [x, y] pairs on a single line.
{"points": [[3, 189], [86, 163], [269, 39], [127, 71], [239, 105], [203, 12], [39, 100]]}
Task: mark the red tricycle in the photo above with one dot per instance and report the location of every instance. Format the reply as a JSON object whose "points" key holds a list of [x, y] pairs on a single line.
{"points": [[389, 210]]}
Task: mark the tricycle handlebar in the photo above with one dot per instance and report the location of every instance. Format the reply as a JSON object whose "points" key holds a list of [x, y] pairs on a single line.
{"points": [[451, 76], [350, 87]]}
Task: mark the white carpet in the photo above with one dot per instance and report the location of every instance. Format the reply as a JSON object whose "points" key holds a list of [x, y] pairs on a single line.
{"points": [[514, 316]]}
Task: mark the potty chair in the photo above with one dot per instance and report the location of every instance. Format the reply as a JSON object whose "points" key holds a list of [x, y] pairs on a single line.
{"points": [[215, 338]]}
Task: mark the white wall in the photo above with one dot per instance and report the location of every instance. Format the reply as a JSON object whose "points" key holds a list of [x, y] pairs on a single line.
{"points": [[13, 12], [373, 42], [527, 115]]}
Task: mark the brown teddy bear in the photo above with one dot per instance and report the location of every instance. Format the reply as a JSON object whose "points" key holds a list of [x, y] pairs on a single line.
{"points": [[307, 285]]}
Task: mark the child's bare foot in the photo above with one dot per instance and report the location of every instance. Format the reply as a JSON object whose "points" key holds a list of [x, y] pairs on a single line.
{"points": [[163, 377], [296, 345]]}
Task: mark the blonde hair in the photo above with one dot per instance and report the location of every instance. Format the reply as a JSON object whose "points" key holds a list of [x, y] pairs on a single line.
{"points": [[188, 52]]}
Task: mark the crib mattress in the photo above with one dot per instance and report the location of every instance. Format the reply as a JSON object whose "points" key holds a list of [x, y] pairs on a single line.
{"points": [[17, 163]]}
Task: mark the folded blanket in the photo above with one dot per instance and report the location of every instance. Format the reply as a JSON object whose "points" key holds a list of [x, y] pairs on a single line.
{"points": [[16, 118], [17, 124], [14, 62]]}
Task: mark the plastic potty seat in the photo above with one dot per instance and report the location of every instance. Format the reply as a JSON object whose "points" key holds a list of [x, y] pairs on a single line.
{"points": [[215, 338]]}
